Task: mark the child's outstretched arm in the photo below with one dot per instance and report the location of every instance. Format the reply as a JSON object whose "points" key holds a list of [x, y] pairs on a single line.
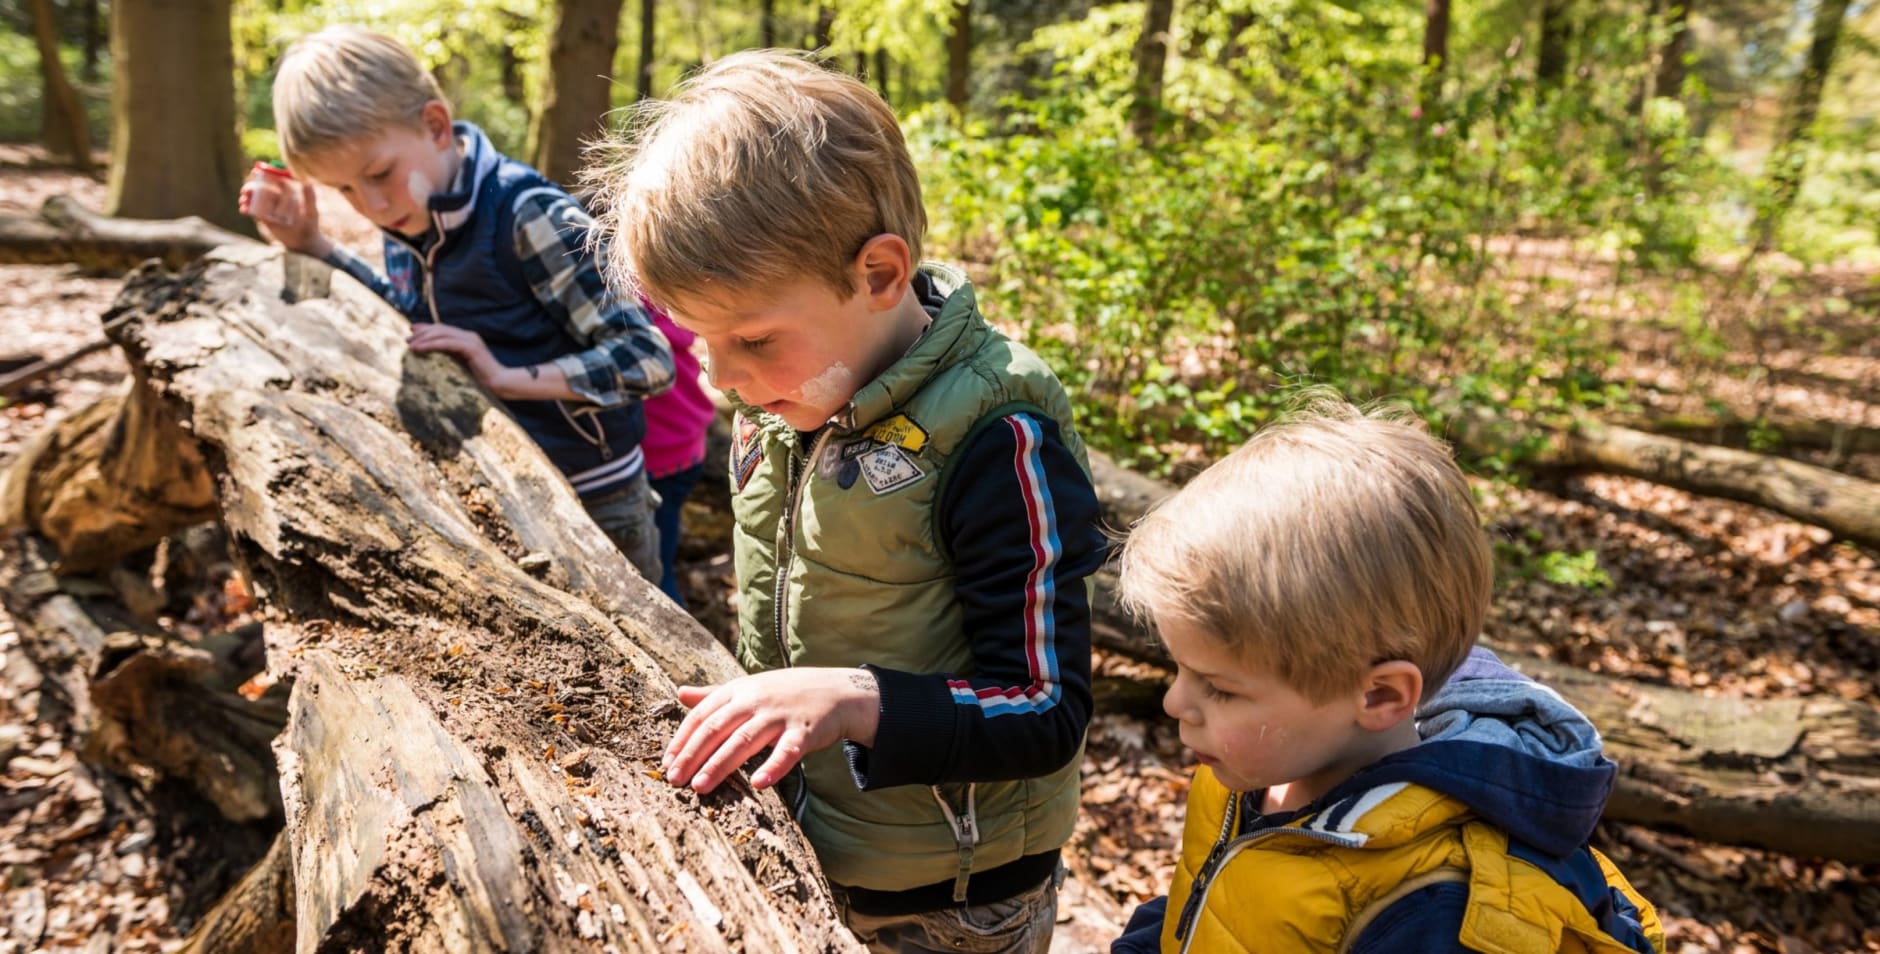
{"points": [[1024, 535], [626, 356]]}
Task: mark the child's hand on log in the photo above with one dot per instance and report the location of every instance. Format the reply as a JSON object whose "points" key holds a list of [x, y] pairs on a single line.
{"points": [[468, 346], [793, 712]]}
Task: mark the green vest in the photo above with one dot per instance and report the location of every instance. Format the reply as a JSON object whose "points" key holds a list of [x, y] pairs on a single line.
{"points": [[839, 563]]}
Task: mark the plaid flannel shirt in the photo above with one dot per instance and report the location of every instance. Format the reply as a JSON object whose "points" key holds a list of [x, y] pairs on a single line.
{"points": [[626, 356]]}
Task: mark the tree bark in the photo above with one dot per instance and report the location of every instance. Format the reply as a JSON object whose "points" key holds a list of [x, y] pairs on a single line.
{"points": [[1800, 776], [1848, 506], [883, 66], [1556, 34], [1777, 433], [1435, 52], [173, 146], [482, 684], [649, 21], [66, 232], [825, 27], [1151, 65], [1671, 68], [94, 40], [1787, 159], [138, 700], [67, 132], [586, 36], [959, 58], [767, 24]]}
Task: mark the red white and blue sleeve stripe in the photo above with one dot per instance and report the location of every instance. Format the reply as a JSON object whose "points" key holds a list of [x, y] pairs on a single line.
{"points": [[1021, 522]]}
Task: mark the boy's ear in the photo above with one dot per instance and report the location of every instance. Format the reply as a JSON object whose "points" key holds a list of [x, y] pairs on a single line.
{"points": [[886, 267], [435, 118], [1391, 691]]}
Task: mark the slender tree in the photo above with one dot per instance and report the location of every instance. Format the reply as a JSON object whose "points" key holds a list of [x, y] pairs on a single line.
{"points": [[825, 26], [1556, 35], [1151, 63], [1786, 160], [959, 56], [644, 86], [94, 39], [767, 24], [1671, 66], [64, 129], [173, 145], [883, 64], [1435, 52], [585, 36]]}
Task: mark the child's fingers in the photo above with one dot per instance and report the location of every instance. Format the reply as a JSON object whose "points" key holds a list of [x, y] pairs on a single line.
{"points": [[690, 696], [744, 743], [682, 737], [788, 751]]}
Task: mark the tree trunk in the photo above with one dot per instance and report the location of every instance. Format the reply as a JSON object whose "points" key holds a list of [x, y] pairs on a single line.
{"points": [[959, 58], [1788, 158], [137, 700], [66, 232], [173, 145], [1848, 506], [1435, 52], [577, 96], [883, 63], [649, 19], [1556, 36], [1151, 64], [1671, 68], [482, 684], [94, 40], [67, 133], [767, 24], [1776, 433], [1800, 776], [825, 27]]}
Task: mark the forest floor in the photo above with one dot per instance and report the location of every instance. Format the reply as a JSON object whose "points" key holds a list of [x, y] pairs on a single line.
{"points": [[1708, 595]]}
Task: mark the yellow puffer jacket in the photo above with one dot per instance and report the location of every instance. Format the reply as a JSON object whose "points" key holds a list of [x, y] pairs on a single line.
{"points": [[1318, 882]]}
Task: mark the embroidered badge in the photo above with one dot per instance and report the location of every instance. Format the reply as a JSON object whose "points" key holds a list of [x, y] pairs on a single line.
{"points": [[746, 451], [888, 469], [899, 431]]}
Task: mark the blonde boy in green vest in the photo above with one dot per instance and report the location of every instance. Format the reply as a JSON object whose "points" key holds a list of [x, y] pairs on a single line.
{"points": [[914, 516]]}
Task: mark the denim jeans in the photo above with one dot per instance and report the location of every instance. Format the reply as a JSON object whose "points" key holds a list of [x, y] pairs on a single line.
{"points": [[1020, 924], [626, 516], [673, 489]]}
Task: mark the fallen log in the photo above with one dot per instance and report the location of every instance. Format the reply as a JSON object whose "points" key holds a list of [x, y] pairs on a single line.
{"points": [[1847, 506], [482, 684], [139, 702], [66, 232], [1779, 433], [1800, 776]]}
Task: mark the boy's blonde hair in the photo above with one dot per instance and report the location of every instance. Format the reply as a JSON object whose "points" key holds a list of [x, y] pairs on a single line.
{"points": [[1327, 544], [764, 168], [344, 83]]}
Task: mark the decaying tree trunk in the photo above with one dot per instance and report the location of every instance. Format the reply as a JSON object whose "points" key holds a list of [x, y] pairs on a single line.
{"points": [[138, 701], [1800, 776], [482, 685], [68, 232], [1847, 506]]}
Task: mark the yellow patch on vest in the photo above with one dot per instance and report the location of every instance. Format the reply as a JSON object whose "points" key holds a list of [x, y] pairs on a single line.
{"points": [[899, 431]]}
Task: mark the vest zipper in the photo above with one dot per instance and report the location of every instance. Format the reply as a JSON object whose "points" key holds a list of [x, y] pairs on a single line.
{"points": [[786, 545]]}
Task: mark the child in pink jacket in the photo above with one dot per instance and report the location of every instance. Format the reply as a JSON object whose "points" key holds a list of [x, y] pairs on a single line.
{"points": [[676, 422]]}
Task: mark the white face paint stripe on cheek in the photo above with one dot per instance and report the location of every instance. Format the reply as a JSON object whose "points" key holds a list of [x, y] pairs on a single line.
{"points": [[831, 386], [419, 187]]}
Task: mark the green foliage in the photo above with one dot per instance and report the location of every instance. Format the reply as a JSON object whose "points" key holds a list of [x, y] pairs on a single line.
{"points": [[1520, 560], [1299, 221]]}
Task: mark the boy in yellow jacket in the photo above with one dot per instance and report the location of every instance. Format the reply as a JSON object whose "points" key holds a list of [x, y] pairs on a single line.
{"points": [[1312, 588]]}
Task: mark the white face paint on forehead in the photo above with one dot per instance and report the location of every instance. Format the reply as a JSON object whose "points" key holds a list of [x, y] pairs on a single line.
{"points": [[834, 385]]}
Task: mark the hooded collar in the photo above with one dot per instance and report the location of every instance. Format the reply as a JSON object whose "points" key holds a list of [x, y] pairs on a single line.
{"points": [[1504, 746], [956, 330]]}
